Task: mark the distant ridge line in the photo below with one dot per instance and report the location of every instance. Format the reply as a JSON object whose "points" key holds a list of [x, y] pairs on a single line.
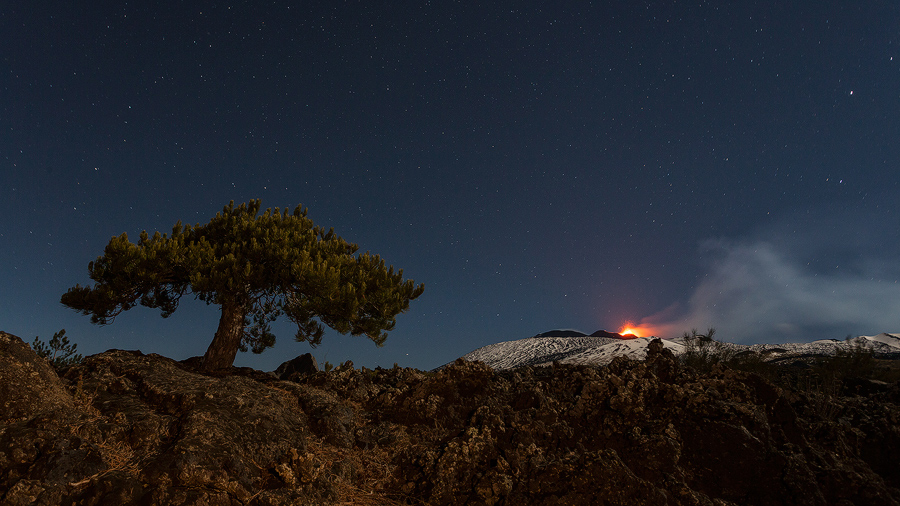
{"points": [[576, 333], [562, 333], [603, 333]]}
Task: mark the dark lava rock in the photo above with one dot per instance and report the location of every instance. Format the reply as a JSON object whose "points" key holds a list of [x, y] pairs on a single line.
{"points": [[303, 364], [29, 386], [129, 428], [137, 428]]}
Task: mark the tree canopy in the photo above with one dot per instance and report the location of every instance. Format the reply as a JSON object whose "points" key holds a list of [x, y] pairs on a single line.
{"points": [[257, 267]]}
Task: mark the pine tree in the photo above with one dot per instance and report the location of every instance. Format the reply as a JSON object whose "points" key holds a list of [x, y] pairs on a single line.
{"points": [[60, 352], [256, 268]]}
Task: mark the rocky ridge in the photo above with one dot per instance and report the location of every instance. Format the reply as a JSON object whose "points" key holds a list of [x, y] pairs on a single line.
{"points": [[128, 428]]}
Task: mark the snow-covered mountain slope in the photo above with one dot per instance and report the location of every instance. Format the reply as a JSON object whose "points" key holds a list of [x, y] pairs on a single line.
{"points": [[542, 351], [891, 341], [883, 344], [536, 350]]}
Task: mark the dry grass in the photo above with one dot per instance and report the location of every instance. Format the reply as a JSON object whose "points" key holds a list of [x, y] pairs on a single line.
{"points": [[115, 452], [84, 401], [373, 468], [119, 456]]}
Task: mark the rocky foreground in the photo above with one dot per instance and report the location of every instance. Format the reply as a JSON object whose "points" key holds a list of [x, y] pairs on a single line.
{"points": [[129, 428]]}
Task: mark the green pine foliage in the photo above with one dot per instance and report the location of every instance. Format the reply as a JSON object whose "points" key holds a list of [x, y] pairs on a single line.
{"points": [[257, 267], [59, 351]]}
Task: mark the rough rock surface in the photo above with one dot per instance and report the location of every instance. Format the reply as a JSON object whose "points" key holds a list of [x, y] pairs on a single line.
{"points": [[28, 384], [304, 364], [128, 428]]}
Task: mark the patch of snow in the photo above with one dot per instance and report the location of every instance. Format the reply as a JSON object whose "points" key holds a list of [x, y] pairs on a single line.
{"points": [[635, 349], [892, 340], [543, 351], [534, 350]]}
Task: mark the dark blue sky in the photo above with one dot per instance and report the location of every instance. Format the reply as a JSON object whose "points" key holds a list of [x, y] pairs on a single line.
{"points": [[576, 165]]}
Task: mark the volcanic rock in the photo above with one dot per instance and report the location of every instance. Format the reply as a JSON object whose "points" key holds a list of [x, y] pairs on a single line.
{"points": [[28, 384], [128, 428], [303, 364]]}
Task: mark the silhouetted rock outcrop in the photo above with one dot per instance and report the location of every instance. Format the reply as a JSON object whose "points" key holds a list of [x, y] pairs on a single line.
{"points": [[126, 428], [304, 364], [561, 333], [603, 333], [29, 387]]}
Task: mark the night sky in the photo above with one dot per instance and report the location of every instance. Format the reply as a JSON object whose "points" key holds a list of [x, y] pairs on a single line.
{"points": [[536, 165]]}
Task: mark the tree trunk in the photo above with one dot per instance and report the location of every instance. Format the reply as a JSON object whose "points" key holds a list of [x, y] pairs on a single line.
{"points": [[224, 346]]}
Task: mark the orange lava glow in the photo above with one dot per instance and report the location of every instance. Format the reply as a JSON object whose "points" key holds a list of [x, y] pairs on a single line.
{"points": [[642, 329], [629, 329]]}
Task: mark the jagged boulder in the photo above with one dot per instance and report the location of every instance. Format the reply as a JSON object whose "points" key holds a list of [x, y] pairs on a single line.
{"points": [[303, 364], [41, 445], [28, 384]]}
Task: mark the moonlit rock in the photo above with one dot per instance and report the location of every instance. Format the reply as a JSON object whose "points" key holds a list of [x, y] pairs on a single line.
{"points": [[543, 351]]}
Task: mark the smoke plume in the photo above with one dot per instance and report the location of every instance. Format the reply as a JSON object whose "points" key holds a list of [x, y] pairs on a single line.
{"points": [[802, 280]]}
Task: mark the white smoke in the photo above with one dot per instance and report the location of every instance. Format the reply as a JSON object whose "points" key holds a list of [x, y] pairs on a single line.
{"points": [[826, 281]]}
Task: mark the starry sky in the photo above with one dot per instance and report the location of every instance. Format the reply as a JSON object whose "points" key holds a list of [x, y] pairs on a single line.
{"points": [[577, 165]]}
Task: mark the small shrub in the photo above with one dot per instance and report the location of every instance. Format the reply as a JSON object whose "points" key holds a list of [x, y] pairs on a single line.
{"points": [[702, 352], [826, 378], [820, 392], [59, 352], [855, 360]]}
